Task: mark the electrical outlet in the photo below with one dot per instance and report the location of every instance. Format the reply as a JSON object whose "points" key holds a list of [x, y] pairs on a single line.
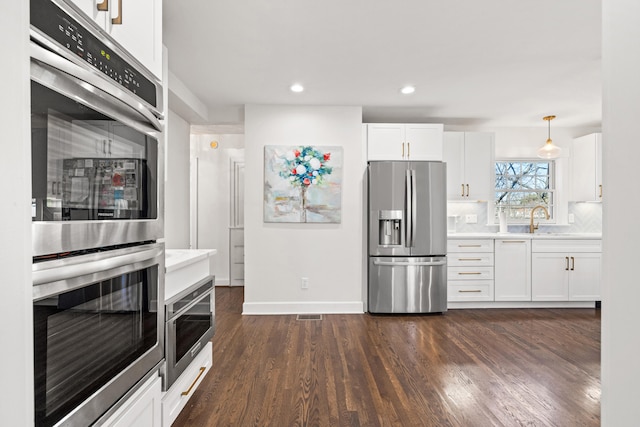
{"points": [[304, 283], [471, 218], [571, 219]]}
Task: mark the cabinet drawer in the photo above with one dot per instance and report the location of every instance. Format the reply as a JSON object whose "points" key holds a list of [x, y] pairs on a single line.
{"points": [[550, 245], [470, 259], [481, 290], [175, 398], [469, 245], [470, 273]]}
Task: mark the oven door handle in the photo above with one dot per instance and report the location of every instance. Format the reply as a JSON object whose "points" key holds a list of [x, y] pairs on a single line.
{"points": [[58, 62], [64, 272]]}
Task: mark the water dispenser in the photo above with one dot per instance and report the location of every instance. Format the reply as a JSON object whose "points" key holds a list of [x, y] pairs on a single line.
{"points": [[389, 228]]}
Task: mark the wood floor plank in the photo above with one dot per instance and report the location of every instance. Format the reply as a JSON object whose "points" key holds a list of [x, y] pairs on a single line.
{"points": [[502, 367]]}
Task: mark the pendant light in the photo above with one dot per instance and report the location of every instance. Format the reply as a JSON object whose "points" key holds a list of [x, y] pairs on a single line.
{"points": [[549, 150]]}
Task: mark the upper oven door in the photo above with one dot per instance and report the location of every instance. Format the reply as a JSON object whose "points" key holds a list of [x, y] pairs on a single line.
{"points": [[97, 164]]}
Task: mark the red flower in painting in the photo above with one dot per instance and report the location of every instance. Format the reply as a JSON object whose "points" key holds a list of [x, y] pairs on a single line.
{"points": [[327, 156], [306, 181], [293, 171], [296, 153]]}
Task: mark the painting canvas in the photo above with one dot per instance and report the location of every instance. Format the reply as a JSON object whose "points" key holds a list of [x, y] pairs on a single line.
{"points": [[302, 183]]}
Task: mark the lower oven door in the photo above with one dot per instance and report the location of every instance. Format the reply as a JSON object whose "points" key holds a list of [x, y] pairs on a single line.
{"points": [[98, 330], [190, 326]]}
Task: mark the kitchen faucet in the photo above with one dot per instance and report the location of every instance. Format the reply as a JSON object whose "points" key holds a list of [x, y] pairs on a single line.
{"points": [[532, 227]]}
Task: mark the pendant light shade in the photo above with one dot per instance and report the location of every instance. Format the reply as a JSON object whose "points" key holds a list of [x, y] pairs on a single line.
{"points": [[549, 150]]}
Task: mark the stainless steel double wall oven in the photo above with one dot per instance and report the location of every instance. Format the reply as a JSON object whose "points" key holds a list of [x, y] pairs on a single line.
{"points": [[97, 211]]}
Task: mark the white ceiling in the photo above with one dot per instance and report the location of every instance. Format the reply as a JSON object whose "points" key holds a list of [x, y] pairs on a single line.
{"points": [[480, 63]]}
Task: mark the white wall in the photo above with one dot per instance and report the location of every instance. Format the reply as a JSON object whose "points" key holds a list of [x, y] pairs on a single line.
{"points": [[16, 328], [176, 192], [621, 154], [278, 255], [214, 185]]}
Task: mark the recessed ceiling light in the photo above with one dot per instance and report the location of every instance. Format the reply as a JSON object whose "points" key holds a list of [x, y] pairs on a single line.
{"points": [[296, 88], [408, 89]]}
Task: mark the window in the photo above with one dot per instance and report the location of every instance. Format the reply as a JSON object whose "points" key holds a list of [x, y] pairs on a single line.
{"points": [[523, 184]]}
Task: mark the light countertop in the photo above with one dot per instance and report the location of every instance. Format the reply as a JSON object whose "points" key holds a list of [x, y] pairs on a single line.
{"points": [[179, 258], [536, 235]]}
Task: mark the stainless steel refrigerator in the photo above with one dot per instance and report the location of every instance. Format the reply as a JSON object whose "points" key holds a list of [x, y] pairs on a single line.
{"points": [[407, 207]]}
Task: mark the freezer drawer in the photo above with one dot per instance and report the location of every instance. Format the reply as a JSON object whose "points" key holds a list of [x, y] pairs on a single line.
{"points": [[407, 284]]}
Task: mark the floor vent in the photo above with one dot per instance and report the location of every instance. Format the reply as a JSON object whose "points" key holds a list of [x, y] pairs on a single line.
{"points": [[309, 317]]}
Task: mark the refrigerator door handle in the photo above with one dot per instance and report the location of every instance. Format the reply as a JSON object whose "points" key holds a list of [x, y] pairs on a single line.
{"points": [[414, 206], [408, 209], [434, 263]]}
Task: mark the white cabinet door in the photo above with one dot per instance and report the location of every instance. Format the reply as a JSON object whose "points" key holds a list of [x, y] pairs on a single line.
{"points": [[424, 141], [385, 142], [90, 8], [585, 274], [143, 409], [586, 168], [479, 168], [550, 277], [140, 32], [512, 270], [453, 155], [470, 165], [393, 141]]}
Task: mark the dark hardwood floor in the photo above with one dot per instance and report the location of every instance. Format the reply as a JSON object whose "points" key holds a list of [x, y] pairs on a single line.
{"points": [[502, 367]]}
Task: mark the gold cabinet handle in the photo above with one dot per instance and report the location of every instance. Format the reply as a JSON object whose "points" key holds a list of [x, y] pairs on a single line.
{"points": [[573, 263], [513, 241], [600, 188], [118, 19], [469, 246], [403, 150], [467, 190], [104, 6], [408, 149], [469, 259], [469, 272], [469, 290], [462, 194], [185, 393], [567, 265]]}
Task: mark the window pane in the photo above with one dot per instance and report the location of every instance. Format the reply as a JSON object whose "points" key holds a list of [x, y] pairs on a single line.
{"points": [[522, 185]]}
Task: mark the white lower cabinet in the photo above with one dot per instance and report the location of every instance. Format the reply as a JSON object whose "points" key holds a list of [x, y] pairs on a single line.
{"points": [[142, 409], [175, 399], [523, 272], [512, 270], [566, 270], [470, 270]]}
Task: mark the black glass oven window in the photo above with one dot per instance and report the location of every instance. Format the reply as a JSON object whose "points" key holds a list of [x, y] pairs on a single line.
{"points": [[87, 166], [191, 325], [85, 337]]}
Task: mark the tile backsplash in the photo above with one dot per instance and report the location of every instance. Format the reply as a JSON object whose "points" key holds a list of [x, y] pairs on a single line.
{"points": [[587, 219]]}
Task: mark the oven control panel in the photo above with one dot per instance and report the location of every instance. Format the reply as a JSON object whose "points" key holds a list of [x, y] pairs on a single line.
{"points": [[69, 34]]}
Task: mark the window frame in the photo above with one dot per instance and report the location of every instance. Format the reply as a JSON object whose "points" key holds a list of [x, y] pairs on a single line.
{"points": [[552, 207]]}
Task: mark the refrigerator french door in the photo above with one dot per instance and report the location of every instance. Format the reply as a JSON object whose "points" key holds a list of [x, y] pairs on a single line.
{"points": [[407, 237]]}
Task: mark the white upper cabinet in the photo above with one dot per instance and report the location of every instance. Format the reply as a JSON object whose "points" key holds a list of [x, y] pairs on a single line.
{"points": [[140, 30], [470, 165], [586, 168], [393, 141]]}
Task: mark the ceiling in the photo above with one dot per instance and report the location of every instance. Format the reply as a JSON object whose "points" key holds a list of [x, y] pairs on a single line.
{"points": [[491, 63]]}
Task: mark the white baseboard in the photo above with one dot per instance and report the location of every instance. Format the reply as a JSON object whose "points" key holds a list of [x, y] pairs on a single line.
{"points": [[522, 304], [301, 307]]}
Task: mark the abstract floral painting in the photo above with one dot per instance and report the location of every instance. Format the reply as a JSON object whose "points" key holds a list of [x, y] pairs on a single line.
{"points": [[302, 183]]}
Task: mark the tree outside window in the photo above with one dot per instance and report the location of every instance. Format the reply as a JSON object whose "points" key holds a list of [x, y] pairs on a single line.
{"points": [[523, 184]]}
